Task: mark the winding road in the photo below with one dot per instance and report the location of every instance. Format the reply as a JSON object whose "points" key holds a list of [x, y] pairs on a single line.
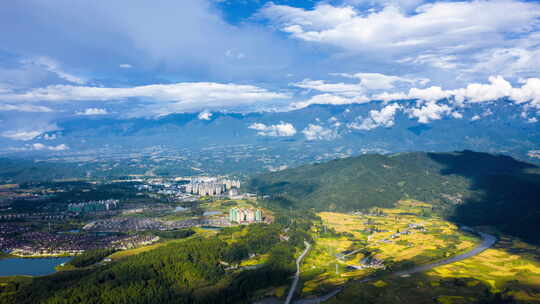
{"points": [[487, 241], [294, 284]]}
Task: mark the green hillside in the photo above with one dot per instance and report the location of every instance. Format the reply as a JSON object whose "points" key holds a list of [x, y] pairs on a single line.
{"points": [[467, 187]]}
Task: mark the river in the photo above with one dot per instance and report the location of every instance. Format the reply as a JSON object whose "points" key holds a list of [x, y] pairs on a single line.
{"points": [[30, 266], [488, 240]]}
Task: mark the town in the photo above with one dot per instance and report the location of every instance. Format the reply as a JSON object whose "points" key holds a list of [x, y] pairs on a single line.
{"points": [[59, 224]]}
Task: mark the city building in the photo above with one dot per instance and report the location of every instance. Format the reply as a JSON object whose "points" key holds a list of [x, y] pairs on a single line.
{"points": [[91, 206], [216, 187], [244, 215]]}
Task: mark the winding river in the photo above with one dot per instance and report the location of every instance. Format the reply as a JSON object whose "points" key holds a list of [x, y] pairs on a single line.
{"points": [[488, 240]]}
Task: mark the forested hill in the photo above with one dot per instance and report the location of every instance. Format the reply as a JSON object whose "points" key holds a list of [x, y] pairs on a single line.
{"points": [[469, 187]]}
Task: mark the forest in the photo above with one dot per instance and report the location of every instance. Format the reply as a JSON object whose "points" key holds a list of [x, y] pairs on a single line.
{"points": [[194, 270], [466, 187]]}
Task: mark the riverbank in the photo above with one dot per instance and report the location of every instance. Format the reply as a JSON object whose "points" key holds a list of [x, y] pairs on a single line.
{"points": [[4, 255], [41, 256]]}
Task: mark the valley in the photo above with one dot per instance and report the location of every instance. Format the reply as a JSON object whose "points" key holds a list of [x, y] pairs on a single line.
{"points": [[374, 228]]}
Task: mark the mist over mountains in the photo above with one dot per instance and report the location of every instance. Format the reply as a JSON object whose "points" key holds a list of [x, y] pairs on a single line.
{"points": [[343, 130]]}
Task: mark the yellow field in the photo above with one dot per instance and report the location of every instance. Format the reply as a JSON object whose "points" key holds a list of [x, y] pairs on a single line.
{"points": [[259, 259], [499, 268], [377, 232]]}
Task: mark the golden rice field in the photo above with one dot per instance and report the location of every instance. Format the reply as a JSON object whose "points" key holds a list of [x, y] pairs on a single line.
{"points": [[509, 265], [439, 240]]}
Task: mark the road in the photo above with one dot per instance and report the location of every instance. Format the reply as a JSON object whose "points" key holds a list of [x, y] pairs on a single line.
{"points": [[488, 241], [294, 284]]}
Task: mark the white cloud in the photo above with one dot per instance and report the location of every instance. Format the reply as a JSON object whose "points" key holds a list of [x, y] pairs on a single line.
{"points": [[348, 93], [205, 115], [21, 135], [24, 108], [439, 24], [532, 120], [281, 129], [382, 118], [466, 39], [125, 66], [26, 135], [429, 111], [180, 96], [41, 147], [366, 82], [475, 118], [345, 89], [378, 81], [316, 132], [331, 99], [528, 94], [49, 137], [52, 66], [434, 60], [92, 111]]}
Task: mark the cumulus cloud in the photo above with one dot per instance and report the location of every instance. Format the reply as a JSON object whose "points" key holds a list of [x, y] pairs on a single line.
{"points": [[92, 111], [348, 93], [466, 39], [439, 24], [205, 115], [527, 94], [281, 129], [429, 111], [317, 132], [381, 118]]}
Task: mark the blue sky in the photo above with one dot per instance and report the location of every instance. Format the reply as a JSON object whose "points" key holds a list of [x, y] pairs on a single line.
{"points": [[139, 58]]}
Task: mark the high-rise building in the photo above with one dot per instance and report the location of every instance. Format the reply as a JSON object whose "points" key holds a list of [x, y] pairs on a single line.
{"points": [[245, 215], [211, 188]]}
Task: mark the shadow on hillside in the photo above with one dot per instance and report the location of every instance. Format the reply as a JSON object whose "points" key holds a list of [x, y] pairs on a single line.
{"points": [[424, 288], [505, 192]]}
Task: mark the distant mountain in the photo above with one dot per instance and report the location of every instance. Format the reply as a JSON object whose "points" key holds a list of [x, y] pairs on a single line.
{"points": [[468, 187], [320, 130]]}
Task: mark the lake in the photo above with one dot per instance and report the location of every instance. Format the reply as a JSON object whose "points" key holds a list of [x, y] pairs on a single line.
{"points": [[30, 266]]}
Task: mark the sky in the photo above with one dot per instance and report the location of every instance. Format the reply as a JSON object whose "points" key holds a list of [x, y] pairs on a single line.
{"points": [[134, 58]]}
